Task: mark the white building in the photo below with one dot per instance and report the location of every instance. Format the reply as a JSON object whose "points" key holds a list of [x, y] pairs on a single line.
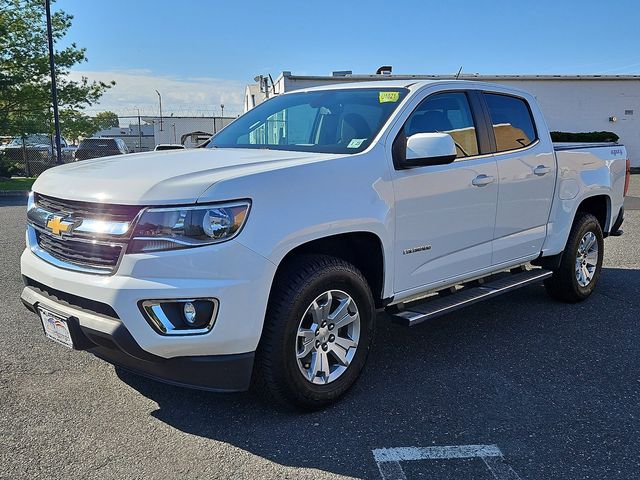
{"points": [[570, 103]]}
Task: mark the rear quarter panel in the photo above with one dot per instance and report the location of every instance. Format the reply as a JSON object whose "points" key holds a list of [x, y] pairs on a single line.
{"points": [[584, 171]]}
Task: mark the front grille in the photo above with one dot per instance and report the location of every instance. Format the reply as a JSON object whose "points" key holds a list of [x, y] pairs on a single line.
{"points": [[98, 211], [83, 253], [82, 236]]}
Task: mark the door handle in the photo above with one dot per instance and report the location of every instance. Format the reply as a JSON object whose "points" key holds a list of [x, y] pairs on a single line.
{"points": [[541, 170], [482, 180]]}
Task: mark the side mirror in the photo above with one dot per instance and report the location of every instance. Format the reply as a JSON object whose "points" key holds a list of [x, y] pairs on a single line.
{"points": [[429, 149]]}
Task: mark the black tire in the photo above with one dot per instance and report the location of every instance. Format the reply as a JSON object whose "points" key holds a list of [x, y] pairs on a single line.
{"points": [[564, 285], [298, 283]]}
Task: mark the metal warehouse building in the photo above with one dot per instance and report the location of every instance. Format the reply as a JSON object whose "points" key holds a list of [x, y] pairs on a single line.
{"points": [[570, 103]]}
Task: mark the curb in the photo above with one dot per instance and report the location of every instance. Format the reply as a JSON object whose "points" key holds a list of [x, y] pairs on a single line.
{"points": [[14, 193]]}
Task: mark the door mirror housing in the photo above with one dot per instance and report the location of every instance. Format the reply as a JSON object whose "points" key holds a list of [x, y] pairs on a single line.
{"points": [[429, 149]]}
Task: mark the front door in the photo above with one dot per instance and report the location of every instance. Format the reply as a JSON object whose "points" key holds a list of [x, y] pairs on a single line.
{"points": [[445, 214]]}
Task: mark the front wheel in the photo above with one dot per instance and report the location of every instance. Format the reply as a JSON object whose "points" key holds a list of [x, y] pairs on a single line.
{"points": [[317, 334], [579, 270]]}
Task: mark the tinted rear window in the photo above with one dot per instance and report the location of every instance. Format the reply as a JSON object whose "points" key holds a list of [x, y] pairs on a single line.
{"points": [[98, 143], [513, 125]]}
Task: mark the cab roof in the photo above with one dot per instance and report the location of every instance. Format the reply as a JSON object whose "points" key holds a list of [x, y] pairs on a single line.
{"points": [[413, 85]]}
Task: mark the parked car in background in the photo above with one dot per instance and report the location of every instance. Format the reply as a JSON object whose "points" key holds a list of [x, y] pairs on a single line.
{"points": [[100, 147], [169, 146], [33, 154]]}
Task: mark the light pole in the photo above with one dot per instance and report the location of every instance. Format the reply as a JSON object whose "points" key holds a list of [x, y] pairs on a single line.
{"points": [[139, 132], [54, 89], [160, 100], [222, 108]]}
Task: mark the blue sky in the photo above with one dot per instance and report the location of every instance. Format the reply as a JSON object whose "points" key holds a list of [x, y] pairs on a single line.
{"points": [[200, 53]]}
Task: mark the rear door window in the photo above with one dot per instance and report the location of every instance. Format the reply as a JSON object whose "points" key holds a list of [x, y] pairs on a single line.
{"points": [[446, 113], [513, 125]]}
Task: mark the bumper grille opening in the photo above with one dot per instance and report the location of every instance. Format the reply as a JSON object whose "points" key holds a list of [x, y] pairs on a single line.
{"points": [[57, 296]]}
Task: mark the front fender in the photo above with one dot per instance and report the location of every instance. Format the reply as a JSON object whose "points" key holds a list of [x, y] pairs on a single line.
{"points": [[298, 204]]}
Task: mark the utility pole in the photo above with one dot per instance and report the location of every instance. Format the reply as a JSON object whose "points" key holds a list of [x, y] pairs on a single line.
{"points": [[160, 100], [139, 132], [54, 89]]}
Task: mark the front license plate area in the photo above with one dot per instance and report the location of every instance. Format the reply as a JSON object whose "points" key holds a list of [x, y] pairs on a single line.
{"points": [[55, 327]]}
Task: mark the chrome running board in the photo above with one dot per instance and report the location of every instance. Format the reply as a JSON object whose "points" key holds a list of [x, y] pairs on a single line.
{"points": [[437, 305]]}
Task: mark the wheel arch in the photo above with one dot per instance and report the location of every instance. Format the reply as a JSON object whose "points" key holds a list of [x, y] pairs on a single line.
{"points": [[600, 207], [362, 249]]}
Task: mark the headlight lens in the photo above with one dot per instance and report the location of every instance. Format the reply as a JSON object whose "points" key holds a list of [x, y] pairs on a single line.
{"points": [[184, 227], [31, 203]]}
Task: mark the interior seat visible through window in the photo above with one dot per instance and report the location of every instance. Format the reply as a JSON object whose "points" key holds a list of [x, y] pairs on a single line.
{"points": [[446, 113]]}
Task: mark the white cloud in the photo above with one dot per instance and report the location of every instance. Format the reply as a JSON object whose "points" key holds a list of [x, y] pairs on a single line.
{"points": [[180, 96]]}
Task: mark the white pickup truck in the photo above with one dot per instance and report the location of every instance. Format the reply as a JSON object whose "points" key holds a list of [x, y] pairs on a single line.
{"points": [[266, 254]]}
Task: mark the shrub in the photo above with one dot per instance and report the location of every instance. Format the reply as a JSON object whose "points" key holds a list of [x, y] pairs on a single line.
{"points": [[7, 169]]}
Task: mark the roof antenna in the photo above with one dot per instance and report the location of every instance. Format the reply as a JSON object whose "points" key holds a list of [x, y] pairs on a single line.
{"points": [[459, 72]]}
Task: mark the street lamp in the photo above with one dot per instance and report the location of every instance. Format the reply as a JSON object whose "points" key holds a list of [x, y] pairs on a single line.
{"points": [[222, 108], [54, 90], [139, 132], [160, 100]]}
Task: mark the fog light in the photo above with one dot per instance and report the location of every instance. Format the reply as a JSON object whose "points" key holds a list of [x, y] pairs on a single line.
{"points": [[189, 313], [180, 317]]}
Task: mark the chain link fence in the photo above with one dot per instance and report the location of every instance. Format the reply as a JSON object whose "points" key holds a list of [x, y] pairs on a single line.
{"points": [[30, 154]]}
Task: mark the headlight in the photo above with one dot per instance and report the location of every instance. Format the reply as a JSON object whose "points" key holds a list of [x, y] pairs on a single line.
{"points": [[30, 201], [184, 227]]}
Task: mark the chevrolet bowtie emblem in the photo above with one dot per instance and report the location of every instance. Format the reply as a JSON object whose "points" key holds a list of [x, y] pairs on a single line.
{"points": [[58, 225]]}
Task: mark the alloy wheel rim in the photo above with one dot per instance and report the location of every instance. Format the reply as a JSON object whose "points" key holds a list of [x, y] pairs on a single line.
{"points": [[587, 259], [327, 337]]}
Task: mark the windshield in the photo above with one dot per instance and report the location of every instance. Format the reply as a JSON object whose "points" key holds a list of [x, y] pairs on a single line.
{"points": [[35, 139], [328, 121]]}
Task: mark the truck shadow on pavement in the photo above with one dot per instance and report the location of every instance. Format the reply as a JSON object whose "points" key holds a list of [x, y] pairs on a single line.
{"points": [[515, 372]]}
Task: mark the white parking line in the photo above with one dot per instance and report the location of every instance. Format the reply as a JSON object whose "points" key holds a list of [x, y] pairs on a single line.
{"points": [[388, 459]]}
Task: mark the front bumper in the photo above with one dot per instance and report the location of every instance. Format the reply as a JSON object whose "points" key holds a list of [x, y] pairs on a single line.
{"points": [[108, 338], [237, 277]]}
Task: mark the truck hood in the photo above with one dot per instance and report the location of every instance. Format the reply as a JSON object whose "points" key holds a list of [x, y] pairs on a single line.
{"points": [[166, 177]]}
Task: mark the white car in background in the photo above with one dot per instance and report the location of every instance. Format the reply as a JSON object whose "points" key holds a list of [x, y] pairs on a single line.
{"points": [[169, 146]]}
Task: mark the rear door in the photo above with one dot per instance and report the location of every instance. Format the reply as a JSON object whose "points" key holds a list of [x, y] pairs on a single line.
{"points": [[445, 214], [527, 172]]}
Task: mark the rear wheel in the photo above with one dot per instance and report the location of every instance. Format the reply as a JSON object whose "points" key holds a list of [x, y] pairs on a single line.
{"points": [[318, 331], [579, 270]]}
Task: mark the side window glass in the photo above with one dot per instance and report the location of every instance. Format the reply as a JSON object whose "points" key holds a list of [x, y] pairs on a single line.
{"points": [[446, 113], [513, 126]]}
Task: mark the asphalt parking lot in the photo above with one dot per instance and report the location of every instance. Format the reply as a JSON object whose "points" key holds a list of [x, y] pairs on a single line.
{"points": [[554, 387]]}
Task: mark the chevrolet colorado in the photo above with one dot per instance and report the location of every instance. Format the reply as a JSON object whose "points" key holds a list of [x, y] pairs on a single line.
{"points": [[267, 253]]}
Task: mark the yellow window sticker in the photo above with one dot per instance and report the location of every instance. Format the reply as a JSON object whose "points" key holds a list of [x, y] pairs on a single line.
{"points": [[384, 97]]}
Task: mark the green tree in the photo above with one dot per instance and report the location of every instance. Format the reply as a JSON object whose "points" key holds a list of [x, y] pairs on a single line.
{"points": [[25, 100], [76, 124], [104, 120]]}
